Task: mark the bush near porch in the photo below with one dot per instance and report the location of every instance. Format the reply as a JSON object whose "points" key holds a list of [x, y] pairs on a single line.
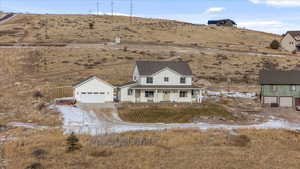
{"points": [[172, 112]]}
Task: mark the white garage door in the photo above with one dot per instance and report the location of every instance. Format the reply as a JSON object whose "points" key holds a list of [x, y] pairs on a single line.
{"points": [[269, 100], [92, 97], [286, 102]]}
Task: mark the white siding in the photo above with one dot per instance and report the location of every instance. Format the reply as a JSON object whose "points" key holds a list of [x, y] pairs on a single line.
{"points": [[288, 43], [105, 92], [136, 74], [124, 97], [158, 78]]}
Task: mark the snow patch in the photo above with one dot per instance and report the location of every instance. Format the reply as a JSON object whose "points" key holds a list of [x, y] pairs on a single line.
{"points": [[83, 122], [232, 94]]}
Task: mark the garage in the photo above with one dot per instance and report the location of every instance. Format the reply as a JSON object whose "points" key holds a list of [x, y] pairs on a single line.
{"points": [[286, 102], [270, 100], [93, 90]]}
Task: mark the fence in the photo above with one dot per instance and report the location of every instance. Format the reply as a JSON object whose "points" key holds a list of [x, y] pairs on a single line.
{"points": [[58, 92]]}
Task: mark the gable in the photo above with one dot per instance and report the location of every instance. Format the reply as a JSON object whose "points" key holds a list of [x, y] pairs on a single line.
{"points": [[166, 72], [94, 81]]}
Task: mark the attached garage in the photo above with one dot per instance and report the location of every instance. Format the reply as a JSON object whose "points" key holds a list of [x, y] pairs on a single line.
{"points": [[94, 90], [286, 102], [270, 100]]}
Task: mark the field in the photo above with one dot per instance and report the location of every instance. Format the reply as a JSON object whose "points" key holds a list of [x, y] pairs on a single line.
{"points": [[247, 149]]}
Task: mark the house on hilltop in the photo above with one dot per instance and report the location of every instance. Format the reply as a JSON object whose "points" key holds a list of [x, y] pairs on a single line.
{"points": [[222, 22], [161, 82], [280, 87], [291, 41]]}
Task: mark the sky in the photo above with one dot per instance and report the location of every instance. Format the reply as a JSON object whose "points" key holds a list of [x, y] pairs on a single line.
{"points": [[274, 16]]}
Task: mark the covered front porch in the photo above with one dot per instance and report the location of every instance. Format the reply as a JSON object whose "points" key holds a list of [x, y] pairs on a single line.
{"points": [[167, 94]]}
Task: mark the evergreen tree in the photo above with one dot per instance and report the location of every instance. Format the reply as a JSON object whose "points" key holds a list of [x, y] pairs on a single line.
{"points": [[73, 143]]}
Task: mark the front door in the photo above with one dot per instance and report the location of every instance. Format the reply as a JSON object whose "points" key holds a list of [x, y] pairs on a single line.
{"points": [[166, 95]]}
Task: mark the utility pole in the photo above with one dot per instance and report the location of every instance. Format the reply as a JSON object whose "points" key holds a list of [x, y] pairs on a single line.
{"points": [[112, 7], [97, 7], [131, 11]]}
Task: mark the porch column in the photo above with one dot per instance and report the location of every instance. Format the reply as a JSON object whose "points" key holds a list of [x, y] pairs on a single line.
{"points": [[156, 96]]}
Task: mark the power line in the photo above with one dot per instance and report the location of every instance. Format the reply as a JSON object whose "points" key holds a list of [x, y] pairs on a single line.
{"points": [[131, 11]]}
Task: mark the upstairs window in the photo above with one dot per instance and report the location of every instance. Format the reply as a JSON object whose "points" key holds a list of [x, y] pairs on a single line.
{"points": [[166, 79], [182, 80], [293, 88], [149, 80], [274, 88]]}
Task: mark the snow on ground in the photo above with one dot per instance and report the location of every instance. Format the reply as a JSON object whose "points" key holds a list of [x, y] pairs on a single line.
{"points": [[82, 122], [232, 94]]}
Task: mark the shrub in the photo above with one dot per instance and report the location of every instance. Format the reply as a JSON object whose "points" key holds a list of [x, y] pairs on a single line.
{"points": [[275, 44], [73, 143], [34, 166], [100, 153], [91, 25], [239, 140], [39, 153], [38, 94]]}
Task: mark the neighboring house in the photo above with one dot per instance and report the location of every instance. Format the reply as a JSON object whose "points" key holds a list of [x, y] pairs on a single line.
{"points": [[222, 22], [291, 41], [93, 90], [280, 87], [160, 82]]}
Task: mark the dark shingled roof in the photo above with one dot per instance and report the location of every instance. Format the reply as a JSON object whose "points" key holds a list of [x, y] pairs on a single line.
{"points": [[276, 77], [127, 83], [147, 68], [294, 34]]}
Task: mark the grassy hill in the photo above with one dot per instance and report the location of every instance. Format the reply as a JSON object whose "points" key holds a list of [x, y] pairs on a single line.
{"points": [[77, 28]]}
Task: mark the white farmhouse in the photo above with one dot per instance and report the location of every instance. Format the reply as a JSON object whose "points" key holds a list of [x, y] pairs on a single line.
{"points": [[161, 82], [291, 41], [93, 90]]}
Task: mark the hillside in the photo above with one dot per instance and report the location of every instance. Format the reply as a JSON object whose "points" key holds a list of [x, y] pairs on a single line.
{"points": [[77, 28], [234, 54]]}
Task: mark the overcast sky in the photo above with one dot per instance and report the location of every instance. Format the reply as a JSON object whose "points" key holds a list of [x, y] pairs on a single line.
{"points": [[276, 16]]}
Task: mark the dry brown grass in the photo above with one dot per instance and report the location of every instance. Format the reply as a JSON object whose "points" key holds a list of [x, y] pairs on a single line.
{"points": [[75, 28], [252, 149]]}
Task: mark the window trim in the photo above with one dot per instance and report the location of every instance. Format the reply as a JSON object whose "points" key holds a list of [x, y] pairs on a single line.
{"points": [[129, 92], [166, 79], [183, 94], [293, 88], [149, 80], [182, 80], [274, 88], [147, 92]]}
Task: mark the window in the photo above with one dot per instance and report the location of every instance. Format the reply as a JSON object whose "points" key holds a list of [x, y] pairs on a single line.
{"points": [[274, 88], [129, 92], [96, 93], [193, 92], [183, 94], [149, 93], [134, 78], [83, 92], [149, 80], [166, 79], [90, 92], [102, 93], [182, 80], [293, 88]]}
